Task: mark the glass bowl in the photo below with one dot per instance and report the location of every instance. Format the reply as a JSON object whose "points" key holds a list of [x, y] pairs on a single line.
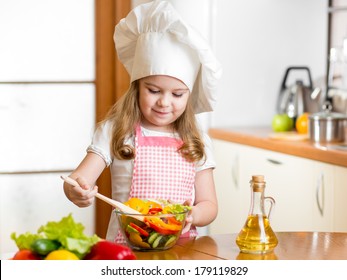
{"points": [[145, 232]]}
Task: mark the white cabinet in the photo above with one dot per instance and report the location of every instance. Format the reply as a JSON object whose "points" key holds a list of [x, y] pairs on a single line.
{"points": [[229, 189], [340, 198], [287, 181], [302, 188], [323, 187]]}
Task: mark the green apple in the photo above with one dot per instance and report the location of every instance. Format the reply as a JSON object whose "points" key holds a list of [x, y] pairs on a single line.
{"points": [[282, 122]]}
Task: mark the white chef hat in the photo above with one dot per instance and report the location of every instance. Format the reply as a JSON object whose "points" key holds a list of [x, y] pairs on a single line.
{"points": [[154, 40]]}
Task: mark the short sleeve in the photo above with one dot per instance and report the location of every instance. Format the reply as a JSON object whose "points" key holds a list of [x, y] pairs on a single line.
{"points": [[209, 161], [101, 143]]}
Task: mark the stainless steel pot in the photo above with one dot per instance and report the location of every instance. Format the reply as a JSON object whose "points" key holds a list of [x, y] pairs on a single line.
{"points": [[327, 127]]}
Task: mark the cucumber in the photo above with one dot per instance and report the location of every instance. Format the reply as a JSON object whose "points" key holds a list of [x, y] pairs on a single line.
{"points": [[162, 241], [44, 246], [130, 229], [171, 240], [152, 237], [157, 241]]}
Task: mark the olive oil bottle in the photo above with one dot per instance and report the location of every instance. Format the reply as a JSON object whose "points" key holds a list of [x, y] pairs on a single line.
{"points": [[257, 236]]}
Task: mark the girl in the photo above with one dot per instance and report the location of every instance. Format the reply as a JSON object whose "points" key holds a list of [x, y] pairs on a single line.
{"points": [[150, 139]]}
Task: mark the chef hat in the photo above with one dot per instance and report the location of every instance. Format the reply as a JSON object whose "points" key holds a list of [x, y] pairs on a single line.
{"points": [[154, 40]]}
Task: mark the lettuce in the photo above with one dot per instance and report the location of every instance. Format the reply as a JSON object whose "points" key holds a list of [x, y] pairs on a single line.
{"points": [[177, 209], [24, 241], [66, 231]]}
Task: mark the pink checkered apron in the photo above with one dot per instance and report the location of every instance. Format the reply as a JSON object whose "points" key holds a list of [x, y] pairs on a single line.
{"points": [[160, 172]]}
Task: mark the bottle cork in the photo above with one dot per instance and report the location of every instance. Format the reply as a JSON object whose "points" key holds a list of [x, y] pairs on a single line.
{"points": [[258, 183], [258, 178]]}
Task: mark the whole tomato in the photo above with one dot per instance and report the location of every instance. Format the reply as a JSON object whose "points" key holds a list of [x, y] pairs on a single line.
{"points": [[26, 254]]}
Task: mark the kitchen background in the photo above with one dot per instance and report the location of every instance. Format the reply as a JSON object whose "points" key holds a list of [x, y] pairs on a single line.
{"points": [[48, 85]]}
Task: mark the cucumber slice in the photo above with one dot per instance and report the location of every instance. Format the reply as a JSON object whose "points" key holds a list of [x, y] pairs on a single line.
{"points": [[157, 241], [171, 240], [152, 237], [161, 241], [130, 229]]}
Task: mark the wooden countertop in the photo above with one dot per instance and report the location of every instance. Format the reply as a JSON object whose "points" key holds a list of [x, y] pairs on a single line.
{"points": [[291, 246], [259, 137]]}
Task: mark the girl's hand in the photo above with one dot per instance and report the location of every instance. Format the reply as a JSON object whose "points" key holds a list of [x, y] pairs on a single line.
{"points": [[189, 218], [82, 196]]}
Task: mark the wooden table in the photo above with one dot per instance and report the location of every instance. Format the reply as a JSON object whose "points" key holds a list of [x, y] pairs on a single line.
{"points": [[291, 246]]}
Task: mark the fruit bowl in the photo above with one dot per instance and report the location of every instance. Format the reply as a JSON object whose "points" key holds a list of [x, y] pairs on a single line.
{"points": [[151, 232]]}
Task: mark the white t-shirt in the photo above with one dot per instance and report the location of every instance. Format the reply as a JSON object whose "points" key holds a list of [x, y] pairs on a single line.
{"points": [[122, 170]]}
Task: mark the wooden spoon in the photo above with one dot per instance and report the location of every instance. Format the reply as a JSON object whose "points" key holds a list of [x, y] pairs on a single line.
{"points": [[124, 208]]}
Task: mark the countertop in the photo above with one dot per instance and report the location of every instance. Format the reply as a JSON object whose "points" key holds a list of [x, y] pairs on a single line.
{"points": [[259, 137], [291, 246]]}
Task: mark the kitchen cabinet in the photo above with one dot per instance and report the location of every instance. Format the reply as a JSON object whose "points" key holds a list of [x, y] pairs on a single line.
{"points": [[229, 189], [302, 188], [340, 197], [324, 189]]}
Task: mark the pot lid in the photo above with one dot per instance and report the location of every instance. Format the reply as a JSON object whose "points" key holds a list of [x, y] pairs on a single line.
{"points": [[326, 114]]}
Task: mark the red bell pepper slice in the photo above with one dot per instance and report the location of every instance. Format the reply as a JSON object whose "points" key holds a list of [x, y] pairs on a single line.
{"points": [[161, 227], [139, 229], [155, 210], [173, 221]]}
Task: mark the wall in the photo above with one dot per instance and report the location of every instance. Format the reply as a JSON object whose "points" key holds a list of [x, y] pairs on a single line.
{"points": [[256, 40]]}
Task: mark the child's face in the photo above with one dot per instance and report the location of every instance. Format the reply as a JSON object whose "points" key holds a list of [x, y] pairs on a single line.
{"points": [[162, 100]]}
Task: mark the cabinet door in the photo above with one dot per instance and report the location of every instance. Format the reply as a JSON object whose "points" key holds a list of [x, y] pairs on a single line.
{"points": [[307, 196], [288, 181], [323, 193], [340, 198], [231, 215]]}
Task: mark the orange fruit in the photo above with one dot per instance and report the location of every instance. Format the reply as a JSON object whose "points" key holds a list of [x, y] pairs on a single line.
{"points": [[301, 123]]}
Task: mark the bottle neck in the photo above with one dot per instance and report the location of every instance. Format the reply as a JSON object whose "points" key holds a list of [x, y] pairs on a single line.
{"points": [[257, 202]]}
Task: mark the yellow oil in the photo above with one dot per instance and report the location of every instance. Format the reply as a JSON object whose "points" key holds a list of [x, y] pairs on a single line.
{"points": [[257, 236], [262, 256]]}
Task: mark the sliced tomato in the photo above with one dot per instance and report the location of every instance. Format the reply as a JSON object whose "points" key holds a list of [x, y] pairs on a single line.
{"points": [[161, 227], [139, 229]]}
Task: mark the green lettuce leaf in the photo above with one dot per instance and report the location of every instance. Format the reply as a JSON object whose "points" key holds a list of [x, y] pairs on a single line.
{"points": [[178, 209], [24, 241]]}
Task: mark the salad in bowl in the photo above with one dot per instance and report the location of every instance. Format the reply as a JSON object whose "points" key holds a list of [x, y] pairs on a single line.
{"points": [[158, 225]]}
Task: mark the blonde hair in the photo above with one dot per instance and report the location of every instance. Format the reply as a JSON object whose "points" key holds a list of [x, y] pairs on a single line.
{"points": [[126, 114]]}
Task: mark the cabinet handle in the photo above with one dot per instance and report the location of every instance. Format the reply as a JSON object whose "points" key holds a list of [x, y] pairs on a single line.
{"points": [[273, 161], [235, 172], [320, 186]]}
